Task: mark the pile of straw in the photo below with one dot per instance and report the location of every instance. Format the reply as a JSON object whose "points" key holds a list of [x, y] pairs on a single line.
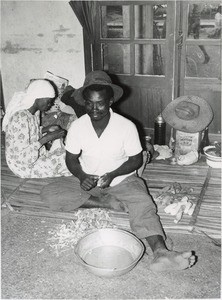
{"points": [[65, 236]]}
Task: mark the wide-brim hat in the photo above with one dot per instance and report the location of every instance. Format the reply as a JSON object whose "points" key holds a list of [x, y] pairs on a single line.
{"points": [[97, 77], [188, 114]]}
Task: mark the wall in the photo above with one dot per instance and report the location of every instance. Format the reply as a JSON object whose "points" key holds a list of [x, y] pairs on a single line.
{"points": [[37, 36]]}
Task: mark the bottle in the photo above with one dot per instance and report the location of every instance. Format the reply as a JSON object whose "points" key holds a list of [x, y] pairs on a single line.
{"points": [[172, 141], [159, 130], [149, 146], [205, 141]]}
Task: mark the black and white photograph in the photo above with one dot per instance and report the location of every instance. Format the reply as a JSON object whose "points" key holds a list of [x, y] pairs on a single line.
{"points": [[111, 149]]}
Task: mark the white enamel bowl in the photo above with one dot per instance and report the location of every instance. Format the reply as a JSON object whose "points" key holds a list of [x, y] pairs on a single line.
{"points": [[211, 159], [109, 252]]}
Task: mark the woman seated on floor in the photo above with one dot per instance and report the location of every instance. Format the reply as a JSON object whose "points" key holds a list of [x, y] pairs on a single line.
{"points": [[25, 139]]}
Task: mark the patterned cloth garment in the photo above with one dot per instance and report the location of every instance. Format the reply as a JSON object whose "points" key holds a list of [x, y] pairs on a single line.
{"points": [[24, 154]]}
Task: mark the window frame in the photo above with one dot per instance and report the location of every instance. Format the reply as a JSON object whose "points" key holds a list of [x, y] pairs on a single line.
{"points": [[132, 40]]}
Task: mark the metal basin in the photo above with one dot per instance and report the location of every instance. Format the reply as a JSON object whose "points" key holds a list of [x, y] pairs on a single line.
{"points": [[109, 252], [211, 158]]}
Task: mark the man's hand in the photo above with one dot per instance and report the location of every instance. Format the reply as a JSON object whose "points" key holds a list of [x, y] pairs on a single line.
{"points": [[105, 180], [87, 182], [132, 164]]}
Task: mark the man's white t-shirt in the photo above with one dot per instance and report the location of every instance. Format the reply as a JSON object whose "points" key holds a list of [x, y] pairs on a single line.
{"points": [[108, 152]]}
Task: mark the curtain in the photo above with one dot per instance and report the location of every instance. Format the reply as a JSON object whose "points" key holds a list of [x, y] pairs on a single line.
{"points": [[2, 102], [85, 11]]}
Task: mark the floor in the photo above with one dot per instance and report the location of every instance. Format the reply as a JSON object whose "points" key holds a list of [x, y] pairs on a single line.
{"points": [[31, 269], [23, 196]]}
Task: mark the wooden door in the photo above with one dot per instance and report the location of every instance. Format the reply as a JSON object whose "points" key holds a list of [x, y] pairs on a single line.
{"points": [[135, 44], [201, 56], [146, 48]]}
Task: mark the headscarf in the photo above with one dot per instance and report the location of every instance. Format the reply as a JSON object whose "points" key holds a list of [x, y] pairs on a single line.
{"points": [[38, 88]]}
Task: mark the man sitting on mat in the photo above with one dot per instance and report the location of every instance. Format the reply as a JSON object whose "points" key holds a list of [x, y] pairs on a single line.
{"points": [[103, 152]]}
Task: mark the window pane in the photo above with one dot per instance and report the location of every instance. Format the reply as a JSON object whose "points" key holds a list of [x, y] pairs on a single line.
{"points": [[116, 58], [204, 20], [203, 61], [150, 21], [115, 21], [149, 59]]}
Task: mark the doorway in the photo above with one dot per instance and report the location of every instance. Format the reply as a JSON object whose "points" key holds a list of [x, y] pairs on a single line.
{"points": [[147, 47]]}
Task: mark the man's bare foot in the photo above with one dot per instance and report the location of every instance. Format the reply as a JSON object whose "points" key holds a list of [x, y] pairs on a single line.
{"points": [[165, 260]]}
